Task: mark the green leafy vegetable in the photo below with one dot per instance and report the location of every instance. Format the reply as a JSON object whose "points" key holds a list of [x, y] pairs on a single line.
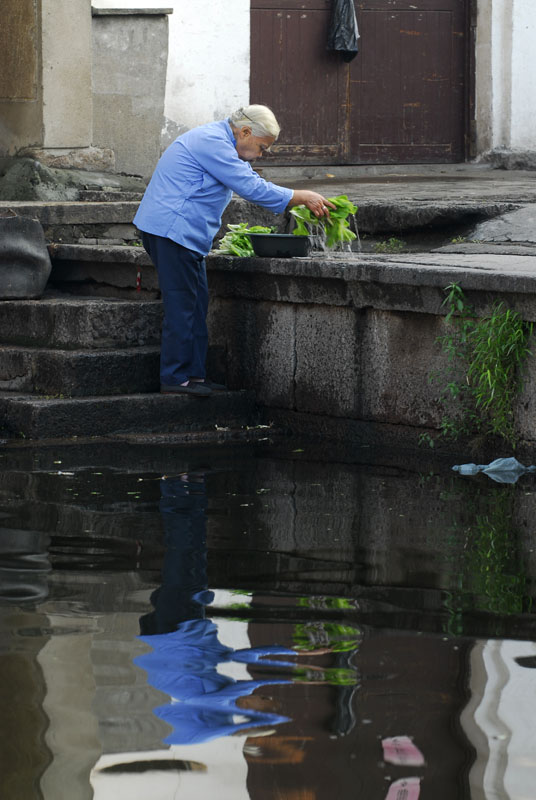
{"points": [[337, 227], [236, 242]]}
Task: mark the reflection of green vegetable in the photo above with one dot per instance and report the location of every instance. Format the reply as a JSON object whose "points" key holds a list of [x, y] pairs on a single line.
{"points": [[337, 227], [237, 243], [326, 602], [335, 676], [339, 638]]}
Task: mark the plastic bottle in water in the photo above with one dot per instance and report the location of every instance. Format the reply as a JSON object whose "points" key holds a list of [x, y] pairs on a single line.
{"points": [[467, 469]]}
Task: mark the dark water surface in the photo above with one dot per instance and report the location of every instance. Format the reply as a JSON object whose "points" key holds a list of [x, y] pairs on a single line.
{"points": [[261, 621]]}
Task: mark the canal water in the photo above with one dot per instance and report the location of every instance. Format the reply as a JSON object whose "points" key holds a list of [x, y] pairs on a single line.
{"points": [[271, 620]]}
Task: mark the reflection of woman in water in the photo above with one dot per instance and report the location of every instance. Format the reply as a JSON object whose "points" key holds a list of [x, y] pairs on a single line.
{"points": [[186, 649]]}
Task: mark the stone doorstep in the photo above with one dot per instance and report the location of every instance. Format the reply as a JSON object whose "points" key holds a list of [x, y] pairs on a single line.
{"points": [[69, 322], [33, 418], [79, 373]]}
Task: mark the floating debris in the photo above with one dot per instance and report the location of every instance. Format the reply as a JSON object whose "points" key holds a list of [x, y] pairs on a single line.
{"points": [[502, 470]]}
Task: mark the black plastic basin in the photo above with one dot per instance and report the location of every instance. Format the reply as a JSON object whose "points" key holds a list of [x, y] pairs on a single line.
{"points": [[280, 245]]}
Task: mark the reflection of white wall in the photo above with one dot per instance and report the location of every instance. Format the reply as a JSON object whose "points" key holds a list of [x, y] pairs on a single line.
{"points": [[72, 734], [500, 721], [208, 60], [225, 777]]}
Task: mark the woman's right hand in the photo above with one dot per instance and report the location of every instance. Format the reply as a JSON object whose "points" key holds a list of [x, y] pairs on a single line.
{"points": [[315, 202]]}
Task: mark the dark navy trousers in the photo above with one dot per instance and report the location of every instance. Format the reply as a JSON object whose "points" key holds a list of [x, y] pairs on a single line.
{"points": [[182, 278]]}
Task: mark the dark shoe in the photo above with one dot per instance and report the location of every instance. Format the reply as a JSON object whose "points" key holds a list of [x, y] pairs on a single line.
{"points": [[216, 387], [195, 389]]}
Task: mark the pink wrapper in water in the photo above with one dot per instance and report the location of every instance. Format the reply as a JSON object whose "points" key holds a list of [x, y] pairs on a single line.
{"points": [[400, 750], [404, 789]]}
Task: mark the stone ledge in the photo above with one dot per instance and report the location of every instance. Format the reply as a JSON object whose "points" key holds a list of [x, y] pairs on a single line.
{"points": [[413, 282], [92, 159], [480, 270], [104, 253], [403, 282]]}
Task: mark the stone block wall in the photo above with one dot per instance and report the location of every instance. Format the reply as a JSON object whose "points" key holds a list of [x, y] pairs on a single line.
{"points": [[338, 344]]}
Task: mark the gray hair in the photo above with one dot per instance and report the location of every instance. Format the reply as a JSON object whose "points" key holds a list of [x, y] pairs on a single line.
{"points": [[260, 119]]}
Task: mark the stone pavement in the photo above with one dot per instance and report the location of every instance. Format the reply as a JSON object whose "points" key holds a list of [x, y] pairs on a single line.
{"points": [[477, 183], [399, 200]]}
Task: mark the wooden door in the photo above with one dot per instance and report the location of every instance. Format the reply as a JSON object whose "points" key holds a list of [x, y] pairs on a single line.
{"points": [[304, 84], [403, 99], [407, 85]]}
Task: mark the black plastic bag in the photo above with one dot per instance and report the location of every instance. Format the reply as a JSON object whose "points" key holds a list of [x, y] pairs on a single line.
{"points": [[24, 260], [343, 33]]}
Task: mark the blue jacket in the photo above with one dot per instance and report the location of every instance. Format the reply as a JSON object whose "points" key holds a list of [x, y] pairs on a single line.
{"points": [[193, 183]]}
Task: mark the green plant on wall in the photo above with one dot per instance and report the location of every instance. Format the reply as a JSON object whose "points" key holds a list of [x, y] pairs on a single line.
{"points": [[392, 245], [486, 362]]}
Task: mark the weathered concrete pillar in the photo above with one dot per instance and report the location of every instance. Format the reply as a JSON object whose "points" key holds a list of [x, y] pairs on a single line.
{"points": [[130, 49], [66, 54], [46, 101]]}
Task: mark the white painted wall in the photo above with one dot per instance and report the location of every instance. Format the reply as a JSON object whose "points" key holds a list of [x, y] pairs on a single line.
{"points": [[208, 66], [523, 116], [208, 61], [505, 70]]}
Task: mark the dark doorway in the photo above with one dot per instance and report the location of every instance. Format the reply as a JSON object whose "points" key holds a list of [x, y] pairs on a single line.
{"points": [[403, 99]]}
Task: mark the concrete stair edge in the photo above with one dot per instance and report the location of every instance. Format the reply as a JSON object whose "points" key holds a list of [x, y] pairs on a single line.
{"points": [[86, 323], [79, 373], [29, 417]]}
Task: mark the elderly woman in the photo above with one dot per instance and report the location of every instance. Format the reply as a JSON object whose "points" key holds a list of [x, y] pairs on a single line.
{"points": [[180, 214]]}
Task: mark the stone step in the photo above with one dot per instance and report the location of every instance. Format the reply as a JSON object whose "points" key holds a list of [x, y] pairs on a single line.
{"points": [[70, 221], [110, 215], [103, 269], [68, 323], [29, 417], [79, 373]]}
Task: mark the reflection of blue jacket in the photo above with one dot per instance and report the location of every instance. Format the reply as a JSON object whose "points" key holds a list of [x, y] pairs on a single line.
{"points": [[184, 665], [193, 183], [186, 649]]}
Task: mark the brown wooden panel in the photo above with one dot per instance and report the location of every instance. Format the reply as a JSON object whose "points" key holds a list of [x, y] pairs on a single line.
{"points": [[18, 50], [407, 98], [305, 85], [319, 5], [403, 99]]}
